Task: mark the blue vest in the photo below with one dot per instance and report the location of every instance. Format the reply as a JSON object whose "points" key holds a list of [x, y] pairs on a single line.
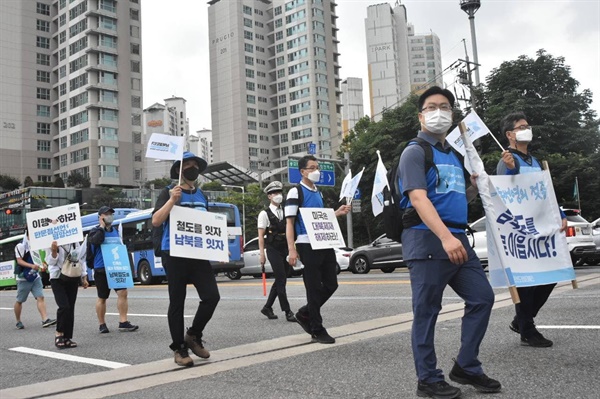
{"points": [[524, 167], [98, 259], [312, 199], [449, 196], [195, 200]]}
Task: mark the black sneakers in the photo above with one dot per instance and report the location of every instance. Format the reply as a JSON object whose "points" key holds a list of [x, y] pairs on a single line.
{"points": [[127, 327], [481, 382], [196, 346], [304, 322], [514, 326], [322, 337], [438, 390], [537, 340], [289, 316], [268, 312], [48, 323], [103, 329], [182, 358]]}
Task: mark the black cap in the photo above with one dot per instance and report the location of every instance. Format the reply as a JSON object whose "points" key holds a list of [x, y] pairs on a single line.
{"points": [[105, 209]]}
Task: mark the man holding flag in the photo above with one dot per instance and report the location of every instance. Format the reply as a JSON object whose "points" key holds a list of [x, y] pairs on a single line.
{"points": [[438, 253], [517, 160]]}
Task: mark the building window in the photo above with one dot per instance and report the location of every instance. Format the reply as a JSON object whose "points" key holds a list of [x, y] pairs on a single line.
{"points": [[43, 110], [108, 78], [77, 64], [63, 160], [108, 115], [43, 26], [247, 10], [107, 23], [63, 142], [134, 31], [136, 84], [248, 22], [80, 155], [78, 100], [135, 66], [42, 42], [62, 72], [78, 82], [136, 119], [78, 28], [43, 94], [282, 111], [248, 47], [44, 163], [78, 10], [62, 89], [253, 152], [79, 118], [80, 136], [137, 138], [78, 45], [250, 86], [42, 59], [283, 125], [63, 125], [62, 20], [43, 9], [134, 14], [136, 101], [252, 138], [247, 35], [62, 54], [249, 60], [43, 128], [108, 133], [108, 60], [135, 48], [43, 145], [250, 99], [62, 107]]}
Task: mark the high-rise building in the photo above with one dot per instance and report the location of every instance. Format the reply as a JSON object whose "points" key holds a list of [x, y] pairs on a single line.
{"points": [[400, 62], [387, 56], [425, 55], [204, 146], [169, 118], [71, 90], [352, 103], [274, 80]]}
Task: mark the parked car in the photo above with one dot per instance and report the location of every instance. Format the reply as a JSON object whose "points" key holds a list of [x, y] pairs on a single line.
{"points": [[343, 258], [595, 261], [579, 237], [478, 240], [383, 253], [252, 266]]}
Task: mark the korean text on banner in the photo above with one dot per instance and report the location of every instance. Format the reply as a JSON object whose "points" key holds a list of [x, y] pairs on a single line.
{"points": [[379, 183], [198, 235], [61, 224], [475, 129], [116, 263], [525, 223], [164, 146], [322, 228]]}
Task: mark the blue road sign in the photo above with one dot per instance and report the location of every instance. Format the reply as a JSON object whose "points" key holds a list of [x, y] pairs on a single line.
{"points": [[312, 148], [357, 194], [327, 173]]}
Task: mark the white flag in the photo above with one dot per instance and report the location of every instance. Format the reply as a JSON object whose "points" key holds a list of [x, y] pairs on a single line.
{"points": [[354, 184], [475, 129], [164, 146], [345, 185], [379, 183]]}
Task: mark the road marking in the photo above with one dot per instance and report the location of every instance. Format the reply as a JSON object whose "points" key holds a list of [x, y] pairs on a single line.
{"points": [[300, 283], [570, 327], [71, 358], [145, 315], [162, 372]]}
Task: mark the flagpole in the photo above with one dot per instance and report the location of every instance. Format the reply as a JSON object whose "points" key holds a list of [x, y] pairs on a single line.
{"points": [[578, 196], [180, 170], [497, 142]]}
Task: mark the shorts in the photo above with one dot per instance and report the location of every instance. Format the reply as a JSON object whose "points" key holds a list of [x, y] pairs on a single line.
{"points": [[25, 287], [102, 284]]}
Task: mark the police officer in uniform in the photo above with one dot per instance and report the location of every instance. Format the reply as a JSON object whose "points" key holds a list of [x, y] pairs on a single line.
{"points": [[272, 241]]}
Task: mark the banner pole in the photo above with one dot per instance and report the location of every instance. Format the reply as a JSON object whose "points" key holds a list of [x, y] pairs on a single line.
{"points": [[546, 167], [180, 170]]}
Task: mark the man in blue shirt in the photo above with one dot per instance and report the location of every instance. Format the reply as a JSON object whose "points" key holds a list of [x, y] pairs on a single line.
{"points": [[320, 265], [516, 160], [438, 253]]}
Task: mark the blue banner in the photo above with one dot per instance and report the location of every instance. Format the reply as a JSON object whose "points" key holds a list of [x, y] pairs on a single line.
{"points": [[116, 262]]}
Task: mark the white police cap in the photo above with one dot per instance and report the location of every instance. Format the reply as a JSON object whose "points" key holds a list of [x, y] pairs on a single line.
{"points": [[273, 186]]}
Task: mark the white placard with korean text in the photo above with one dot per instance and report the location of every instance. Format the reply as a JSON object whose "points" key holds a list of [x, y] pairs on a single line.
{"points": [[61, 224], [198, 235], [322, 228]]}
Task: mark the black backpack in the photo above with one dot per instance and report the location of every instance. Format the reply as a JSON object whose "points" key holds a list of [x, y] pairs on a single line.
{"points": [[89, 254], [395, 219]]}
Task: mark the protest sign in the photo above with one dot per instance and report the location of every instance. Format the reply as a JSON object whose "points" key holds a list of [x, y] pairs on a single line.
{"points": [[61, 224], [322, 228], [198, 235], [116, 263]]}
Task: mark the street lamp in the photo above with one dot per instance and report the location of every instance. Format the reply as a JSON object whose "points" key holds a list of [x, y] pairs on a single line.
{"points": [[243, 207]]}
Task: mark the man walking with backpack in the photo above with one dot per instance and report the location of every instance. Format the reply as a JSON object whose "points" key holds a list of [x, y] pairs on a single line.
{"points": [[320, 274], [95, 260], [437, 252], [271, 240]]}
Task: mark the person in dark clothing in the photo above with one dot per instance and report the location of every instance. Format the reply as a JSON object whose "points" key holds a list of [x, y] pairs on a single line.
{"points": [[516, 160], [272, 241], [183, 271]]}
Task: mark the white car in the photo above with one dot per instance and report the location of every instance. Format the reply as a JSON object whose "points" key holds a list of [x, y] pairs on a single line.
{"points": [[478, 240], [579, 237], [596, 237], [343, 258], [252, 266]]}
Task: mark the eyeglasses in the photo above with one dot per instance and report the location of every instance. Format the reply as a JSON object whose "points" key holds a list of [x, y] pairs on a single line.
{"points": [[313, 168], [522, 127], [435, 107]]}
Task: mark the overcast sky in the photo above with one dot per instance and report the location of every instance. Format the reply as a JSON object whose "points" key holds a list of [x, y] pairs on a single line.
{"points": [[175, 42]]}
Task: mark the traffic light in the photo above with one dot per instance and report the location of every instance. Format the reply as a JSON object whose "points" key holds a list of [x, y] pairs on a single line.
{"points": [[12, 211]]}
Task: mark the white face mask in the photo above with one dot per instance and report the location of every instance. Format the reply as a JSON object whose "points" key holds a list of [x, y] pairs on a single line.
{"points": [[438, 122], [314, 176], [524, 135], [277, 199]]}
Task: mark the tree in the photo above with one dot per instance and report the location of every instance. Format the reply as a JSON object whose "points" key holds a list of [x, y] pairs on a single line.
{"points": [[59, 183], [544, 89], [255, 201], [158, 183], [77, 180], [212, 186], [9, 183], [28, 182]]}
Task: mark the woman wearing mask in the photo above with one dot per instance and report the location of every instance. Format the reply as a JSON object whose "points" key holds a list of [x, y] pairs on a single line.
{"points": [[65, 291], [272, 241]]}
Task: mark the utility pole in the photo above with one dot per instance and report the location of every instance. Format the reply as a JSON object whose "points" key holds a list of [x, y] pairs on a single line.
{"points": [[349, 226], [471, 7], [468, 80]]}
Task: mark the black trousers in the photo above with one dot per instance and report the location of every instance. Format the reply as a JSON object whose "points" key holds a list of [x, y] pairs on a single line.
{"points": [[320, 282], [280, 270], [65, 295], [180, 272], [532, 300]]}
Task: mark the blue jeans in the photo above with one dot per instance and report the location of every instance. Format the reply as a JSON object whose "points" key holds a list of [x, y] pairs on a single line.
{"points": [[428, 279]]}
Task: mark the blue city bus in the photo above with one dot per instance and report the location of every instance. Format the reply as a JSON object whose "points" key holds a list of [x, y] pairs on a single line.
{"points": [[136, 231]]}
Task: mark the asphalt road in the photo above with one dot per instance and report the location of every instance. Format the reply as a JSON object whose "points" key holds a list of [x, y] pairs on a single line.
{"points": [[253, 357]]}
